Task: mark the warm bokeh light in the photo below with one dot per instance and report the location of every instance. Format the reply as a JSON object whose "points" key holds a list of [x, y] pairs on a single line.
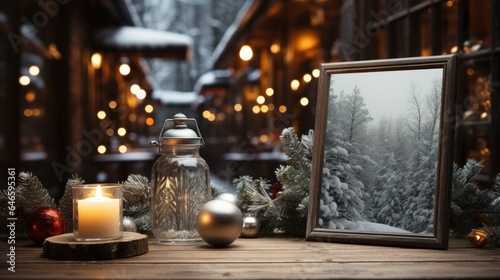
{"points": [[112, 104], [96, 60], [121, 131], [110, 132], [150, 121], [238, 107], [246, 53], [101, 149], [264, 138], [28, 112], [256, 109], [206, 114], [295, 84], [264, 109], [34, 70], [36, 112], [282, 109], [211, 117], [269, 91], [141, 94], [275, 48], [148, 108], [134, 89], [101, 115], [271, 106], [315, 73], [30, 96], [307, 78], [304, 101], [470, 71], [124, 69], [122, 149], [132, 117], [261, 99], [24, 80]]}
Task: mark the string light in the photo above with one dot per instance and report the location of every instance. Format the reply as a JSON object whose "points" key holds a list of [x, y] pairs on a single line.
{"points": [[101, 115], [275, 48], [246, 53], [101, 149], [141, 94], [124, 69], [96, 60], [307, 78], [121, 131], [264, 108], [134, 89], [304, 101], [261, 99], [148, 108], [256, 109], [294, 85], [122, 149], [315, 73], [282, 109], [112, 104], [269, 91], [150, 121], [24, 80], [238, 107], [34, 70]]}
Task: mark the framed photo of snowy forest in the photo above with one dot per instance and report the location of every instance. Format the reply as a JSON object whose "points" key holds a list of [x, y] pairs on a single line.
{"points": [[382, 153]]}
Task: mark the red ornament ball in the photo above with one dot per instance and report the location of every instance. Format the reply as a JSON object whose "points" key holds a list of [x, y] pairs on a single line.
{"points": [[45, 222]]}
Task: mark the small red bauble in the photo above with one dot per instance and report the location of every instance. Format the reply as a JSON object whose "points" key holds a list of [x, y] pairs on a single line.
{"points": [[45, 222]]}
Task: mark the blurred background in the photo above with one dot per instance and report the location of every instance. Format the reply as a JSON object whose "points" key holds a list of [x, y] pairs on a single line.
{"points": [[85, 85]]}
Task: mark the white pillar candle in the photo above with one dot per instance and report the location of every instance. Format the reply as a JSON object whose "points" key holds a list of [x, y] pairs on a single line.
{"points": [[99, 216]]}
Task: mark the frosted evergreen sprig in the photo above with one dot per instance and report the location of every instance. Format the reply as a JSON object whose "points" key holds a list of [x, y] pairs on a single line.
{"points": [[137, 200], [66, 201]]}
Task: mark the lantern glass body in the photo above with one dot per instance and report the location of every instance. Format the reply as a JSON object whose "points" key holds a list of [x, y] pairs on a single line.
{"points": [[97, 212], [181, 185]]}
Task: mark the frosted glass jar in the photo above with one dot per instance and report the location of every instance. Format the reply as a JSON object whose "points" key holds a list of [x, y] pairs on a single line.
{"points": [[180, 182]]}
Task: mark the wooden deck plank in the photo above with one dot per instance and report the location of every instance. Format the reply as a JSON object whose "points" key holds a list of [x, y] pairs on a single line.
{"points": [[269, 258], [375, 270]]}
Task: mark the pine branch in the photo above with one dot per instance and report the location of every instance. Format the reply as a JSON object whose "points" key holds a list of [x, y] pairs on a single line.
{"points": [[66, 201], [292, 146], [468, 201], [30, 195], [137, 200]]}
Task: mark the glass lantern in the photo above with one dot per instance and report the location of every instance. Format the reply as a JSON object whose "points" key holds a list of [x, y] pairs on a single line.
{"points": [[180, 183]]}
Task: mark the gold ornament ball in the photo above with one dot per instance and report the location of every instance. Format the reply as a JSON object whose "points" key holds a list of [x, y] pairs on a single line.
{"points": [[229, 197], [219, 222], [250, 227], [478, 237]]}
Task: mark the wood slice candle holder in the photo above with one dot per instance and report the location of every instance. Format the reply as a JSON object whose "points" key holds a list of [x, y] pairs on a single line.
{"points": [[64, 247]]}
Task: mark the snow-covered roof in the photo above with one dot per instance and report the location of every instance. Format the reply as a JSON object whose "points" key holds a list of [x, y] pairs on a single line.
{"points": [[215, 78], [147, 42], [176, 97]]}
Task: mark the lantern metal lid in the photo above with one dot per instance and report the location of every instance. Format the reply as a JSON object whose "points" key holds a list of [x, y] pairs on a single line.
{"points": [[176, 132]]}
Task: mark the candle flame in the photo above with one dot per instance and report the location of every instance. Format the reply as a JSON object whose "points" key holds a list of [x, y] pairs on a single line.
{"points": [[98, 192]]}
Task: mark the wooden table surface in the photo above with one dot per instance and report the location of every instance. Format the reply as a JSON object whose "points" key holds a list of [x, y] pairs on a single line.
{"points": [[267, 258]]}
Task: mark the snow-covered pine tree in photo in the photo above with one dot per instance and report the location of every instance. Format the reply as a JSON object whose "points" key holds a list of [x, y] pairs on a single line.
{"points": [[419, 193], [341, 203]]}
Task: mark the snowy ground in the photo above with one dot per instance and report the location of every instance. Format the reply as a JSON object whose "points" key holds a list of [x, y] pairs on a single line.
{"points": [[369, 226]]}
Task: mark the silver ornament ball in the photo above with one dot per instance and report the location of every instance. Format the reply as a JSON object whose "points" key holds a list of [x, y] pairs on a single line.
{"points": [[251, 227], [219, 222], [230, 198], [128, 224]]}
